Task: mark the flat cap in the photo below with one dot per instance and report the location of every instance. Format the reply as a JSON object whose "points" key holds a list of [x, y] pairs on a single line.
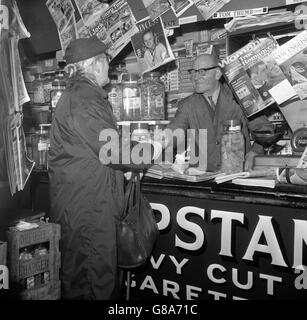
{"points": [[84, 48]]}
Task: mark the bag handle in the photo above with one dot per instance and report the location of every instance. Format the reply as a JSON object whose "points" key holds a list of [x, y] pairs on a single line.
{"points": [[129, 194], [138, 193]]}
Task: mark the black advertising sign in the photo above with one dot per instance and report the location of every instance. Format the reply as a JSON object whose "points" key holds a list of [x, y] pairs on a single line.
{"points": [[220, 250]]}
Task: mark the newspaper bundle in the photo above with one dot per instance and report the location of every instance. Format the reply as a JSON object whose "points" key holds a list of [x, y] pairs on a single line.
{"points": [[292, 58], [151, 45]]}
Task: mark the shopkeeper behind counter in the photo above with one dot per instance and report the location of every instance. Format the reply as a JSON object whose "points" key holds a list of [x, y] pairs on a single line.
{"points": [[208, 107]]}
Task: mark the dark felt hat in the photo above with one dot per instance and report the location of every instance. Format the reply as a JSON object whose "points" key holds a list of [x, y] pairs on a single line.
{"points": [[84, 48]]}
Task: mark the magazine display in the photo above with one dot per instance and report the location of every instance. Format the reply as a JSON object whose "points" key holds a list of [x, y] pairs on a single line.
{"points": [[208, 8], [155, 8], [87, 8], [239, 81], [115, 27], [61, 12], [170, 20], [292, 58], [13, 94], [265, 74], [151, 45], [181, 6]]}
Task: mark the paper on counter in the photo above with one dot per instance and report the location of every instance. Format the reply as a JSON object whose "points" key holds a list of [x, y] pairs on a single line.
{"points": [[23, 225], [265, 182]]}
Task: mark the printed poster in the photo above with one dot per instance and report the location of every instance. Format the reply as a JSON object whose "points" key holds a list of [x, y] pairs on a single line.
{"points": [[151, 45], [61, 12], [156, 7]]}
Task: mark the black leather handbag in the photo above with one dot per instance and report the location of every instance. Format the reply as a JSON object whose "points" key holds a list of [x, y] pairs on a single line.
{"points": [[137, 230]]}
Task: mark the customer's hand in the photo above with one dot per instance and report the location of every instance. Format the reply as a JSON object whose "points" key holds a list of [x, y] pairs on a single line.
{"points": [[249, 160]]}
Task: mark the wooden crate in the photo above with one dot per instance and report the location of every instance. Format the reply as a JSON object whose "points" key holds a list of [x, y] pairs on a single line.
{"points": [[50, 291], [24, 271], [3, 253]]}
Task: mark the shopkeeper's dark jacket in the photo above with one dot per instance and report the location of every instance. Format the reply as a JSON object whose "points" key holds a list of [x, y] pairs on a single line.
{"points": [[85, 195], [194, 112]]}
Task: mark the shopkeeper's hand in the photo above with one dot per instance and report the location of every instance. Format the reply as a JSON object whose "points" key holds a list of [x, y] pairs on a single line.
{"points": [[249, 160], [129, 174]]}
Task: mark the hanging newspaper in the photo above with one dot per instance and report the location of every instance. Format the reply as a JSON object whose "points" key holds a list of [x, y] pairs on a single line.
{"points": [[207, 8], [18, 164], [265, 74], [61, 12], [292, 58], [156, 7], [169, 19], [68, 34], [151, 45], [181, 6], [239, 81], [88, 8], [115, 27]]}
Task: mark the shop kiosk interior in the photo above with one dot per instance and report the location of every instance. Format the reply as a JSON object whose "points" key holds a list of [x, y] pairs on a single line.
{"points": [[223, 235]]}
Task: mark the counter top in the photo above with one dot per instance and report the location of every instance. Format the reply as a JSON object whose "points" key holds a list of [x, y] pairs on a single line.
{"points": [[285, 195]]}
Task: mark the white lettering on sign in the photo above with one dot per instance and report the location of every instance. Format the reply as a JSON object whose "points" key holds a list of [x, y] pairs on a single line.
{"points": [[227, 218], [191, 294], [217, 295], [156, 265], [4, 277], [238, 298], [4, 17], [265, 227], [270, 282], [235, 279], [212, 277], [171, 287], [301, 281], [149, 284], [165, 215], [178, 265], [190, 226], [300, 236]]}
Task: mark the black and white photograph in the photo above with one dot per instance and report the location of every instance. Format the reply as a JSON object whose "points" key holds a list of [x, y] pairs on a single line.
{"points": [[153, 159], [151, 46], [180, 6]]}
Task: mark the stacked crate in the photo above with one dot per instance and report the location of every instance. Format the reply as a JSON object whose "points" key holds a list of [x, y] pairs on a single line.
{"points": [[3, 252], [34, 262]]}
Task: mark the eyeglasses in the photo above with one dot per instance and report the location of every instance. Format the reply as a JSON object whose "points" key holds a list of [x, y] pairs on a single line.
{"points": [[201, 71]]}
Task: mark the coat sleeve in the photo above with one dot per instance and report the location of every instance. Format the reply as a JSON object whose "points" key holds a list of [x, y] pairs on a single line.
{"points": [[180, 121], [96, 128]]}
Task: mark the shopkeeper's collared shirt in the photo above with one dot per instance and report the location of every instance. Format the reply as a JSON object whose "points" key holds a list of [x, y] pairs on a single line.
{"points": [[215, 96], [194, 112]]}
